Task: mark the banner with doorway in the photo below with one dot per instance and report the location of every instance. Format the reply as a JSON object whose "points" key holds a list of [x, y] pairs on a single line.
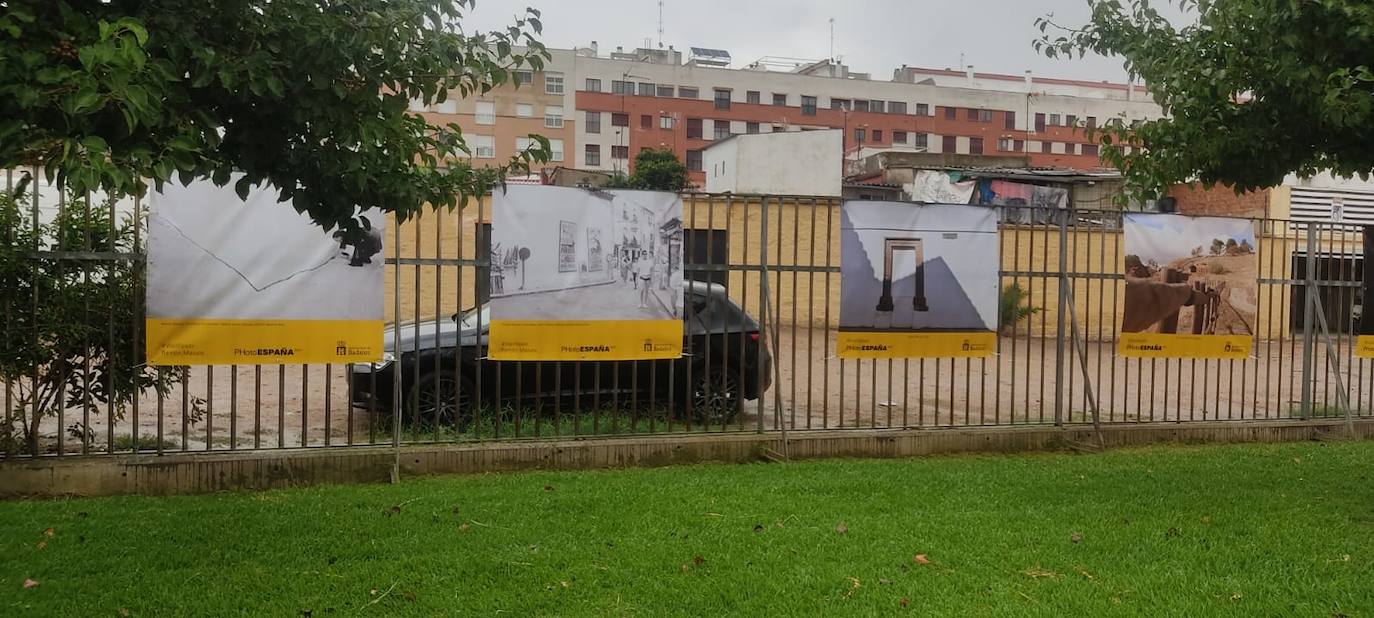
{"points": [[917, 280], [233, 281], [581, 274], [1191, 287]]}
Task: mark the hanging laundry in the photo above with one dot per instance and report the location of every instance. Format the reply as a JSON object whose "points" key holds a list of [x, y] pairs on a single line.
{"points": [[938, 188]]}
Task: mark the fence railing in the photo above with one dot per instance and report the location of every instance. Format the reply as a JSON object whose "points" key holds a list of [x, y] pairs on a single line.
{"points": [[772, 265]]}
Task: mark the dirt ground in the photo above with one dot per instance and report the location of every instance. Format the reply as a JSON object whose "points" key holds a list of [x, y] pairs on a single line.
{"points": [[292, 406]]}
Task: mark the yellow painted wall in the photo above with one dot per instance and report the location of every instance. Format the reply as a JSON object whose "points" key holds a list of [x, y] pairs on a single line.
{"points": [[805, 232]]}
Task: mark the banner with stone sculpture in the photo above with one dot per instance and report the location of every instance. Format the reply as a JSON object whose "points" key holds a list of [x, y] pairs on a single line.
{"points": [[917, 280]]}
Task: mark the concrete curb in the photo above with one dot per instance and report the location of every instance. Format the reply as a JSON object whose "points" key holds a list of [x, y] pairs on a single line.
{"points": [[180, 473]]}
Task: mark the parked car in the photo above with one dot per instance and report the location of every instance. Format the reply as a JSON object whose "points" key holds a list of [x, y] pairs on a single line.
{"points": [[444, 370]]}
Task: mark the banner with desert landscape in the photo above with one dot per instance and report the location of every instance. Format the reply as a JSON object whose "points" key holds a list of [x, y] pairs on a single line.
{"points": [[1191, 287]]}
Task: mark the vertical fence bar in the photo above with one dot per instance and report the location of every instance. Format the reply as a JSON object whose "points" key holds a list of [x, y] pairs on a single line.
{"points": [[1059, 319], [1310, 282]]}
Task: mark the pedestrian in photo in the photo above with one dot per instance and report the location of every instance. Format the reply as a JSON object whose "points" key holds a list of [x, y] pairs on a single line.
{"points": [[644, 273]]}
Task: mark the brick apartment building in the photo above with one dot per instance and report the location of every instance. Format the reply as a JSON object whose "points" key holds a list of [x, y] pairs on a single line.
{"points": [[600, 110]]}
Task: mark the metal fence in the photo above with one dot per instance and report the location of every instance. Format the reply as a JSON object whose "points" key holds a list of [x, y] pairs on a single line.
{"points": [[773, 266]]}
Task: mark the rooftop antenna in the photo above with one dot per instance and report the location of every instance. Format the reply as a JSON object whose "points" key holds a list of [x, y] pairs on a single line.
{"points": [[832, 39], [660, 23]]}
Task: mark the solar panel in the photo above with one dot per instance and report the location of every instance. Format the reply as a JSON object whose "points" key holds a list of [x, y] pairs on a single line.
{"points": [[706, 52]]}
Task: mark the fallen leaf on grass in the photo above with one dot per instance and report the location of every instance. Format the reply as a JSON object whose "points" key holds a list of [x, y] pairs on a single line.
{"points": [[840, 528], [1344, 558], [1171, 533], [30, 583], [41, 545], [548, 488], [49, 532], [904, 602], [883, 581], [1075, 537], [698, 561], [1235, 596], [1036, 572], [125, 612], [921, 559], [1084, 573], [758, 527], [853, 585], [463, 528]]}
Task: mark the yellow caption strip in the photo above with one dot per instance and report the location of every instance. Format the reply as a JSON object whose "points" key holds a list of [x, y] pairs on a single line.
{"points": [[262, 342], [588, 340], [1157, 345], [973, 344]]}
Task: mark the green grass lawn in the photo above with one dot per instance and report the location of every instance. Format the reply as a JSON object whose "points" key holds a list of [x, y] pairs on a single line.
{"points": [[1198, 531]]}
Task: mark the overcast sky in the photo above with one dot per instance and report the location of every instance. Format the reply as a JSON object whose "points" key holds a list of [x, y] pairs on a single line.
{"points": [[873, 36]]}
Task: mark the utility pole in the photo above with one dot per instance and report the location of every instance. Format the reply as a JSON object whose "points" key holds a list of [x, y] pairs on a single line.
{"points": [[832, 40]]}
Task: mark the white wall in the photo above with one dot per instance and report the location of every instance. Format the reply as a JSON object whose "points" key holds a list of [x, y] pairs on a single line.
{"points": [[787, 163]]}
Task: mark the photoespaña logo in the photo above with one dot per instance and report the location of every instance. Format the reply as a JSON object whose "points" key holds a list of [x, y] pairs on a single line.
{"points": [[586, 348], [866, 347], [1145, 347], [264, 351]]}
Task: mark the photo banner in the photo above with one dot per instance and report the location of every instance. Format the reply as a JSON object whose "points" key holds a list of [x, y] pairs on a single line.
{"points": [[581, 274], [234, 281], [1191, 287], [1364, 340], [917, 280]]}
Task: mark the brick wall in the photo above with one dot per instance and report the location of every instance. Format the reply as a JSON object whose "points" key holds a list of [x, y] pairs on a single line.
{"points": [[1196, 199]]}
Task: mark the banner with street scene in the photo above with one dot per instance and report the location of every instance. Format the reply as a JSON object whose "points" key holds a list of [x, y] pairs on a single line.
{"points": [[1191, 287], [917, 280], [233, 281], [580, 274]]}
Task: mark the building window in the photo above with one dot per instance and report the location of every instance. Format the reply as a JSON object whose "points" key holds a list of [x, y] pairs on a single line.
{"points": [[751, 96], [840, 103], [808, 106], [555, 150], [522, 77], [1092, 122], [899, 137], [951, 113], [524, 110], [664, 90], [553, 116], [486, 112], [620, 119], [1019, 145], [920, 140], [694, 128], [522, 144], [751, 127], [948, 144], [975, 145], [1010, 120], [859, 136], [665, 122], [646, 121], [722, 99], [1039, 122], [779, 99], [646, 90], [980, 115], [553, 83], [593, 122], [694, 160], [449, 106], [620, 152], [619, 87], [1055, 120], [685, 92], [896, 107], [879, 107], [593, 85], [877, 136], [922, 109], [1004, 144], [860, 105], [720, 129], [1045, 147], [593, 155], [1090, 150], [1071, 120], [483, 146]]}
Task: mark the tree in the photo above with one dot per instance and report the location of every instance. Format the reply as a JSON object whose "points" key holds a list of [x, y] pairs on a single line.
{"points": [[312, 97], [656, 169], [1253, 89], [71, 338]]}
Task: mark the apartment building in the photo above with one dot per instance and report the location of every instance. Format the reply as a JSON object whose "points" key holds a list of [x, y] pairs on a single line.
{"points": [[607, 108]]}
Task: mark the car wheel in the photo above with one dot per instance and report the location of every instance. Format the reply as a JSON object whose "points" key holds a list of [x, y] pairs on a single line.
{"points": [[715, 396], [440, 400]]}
